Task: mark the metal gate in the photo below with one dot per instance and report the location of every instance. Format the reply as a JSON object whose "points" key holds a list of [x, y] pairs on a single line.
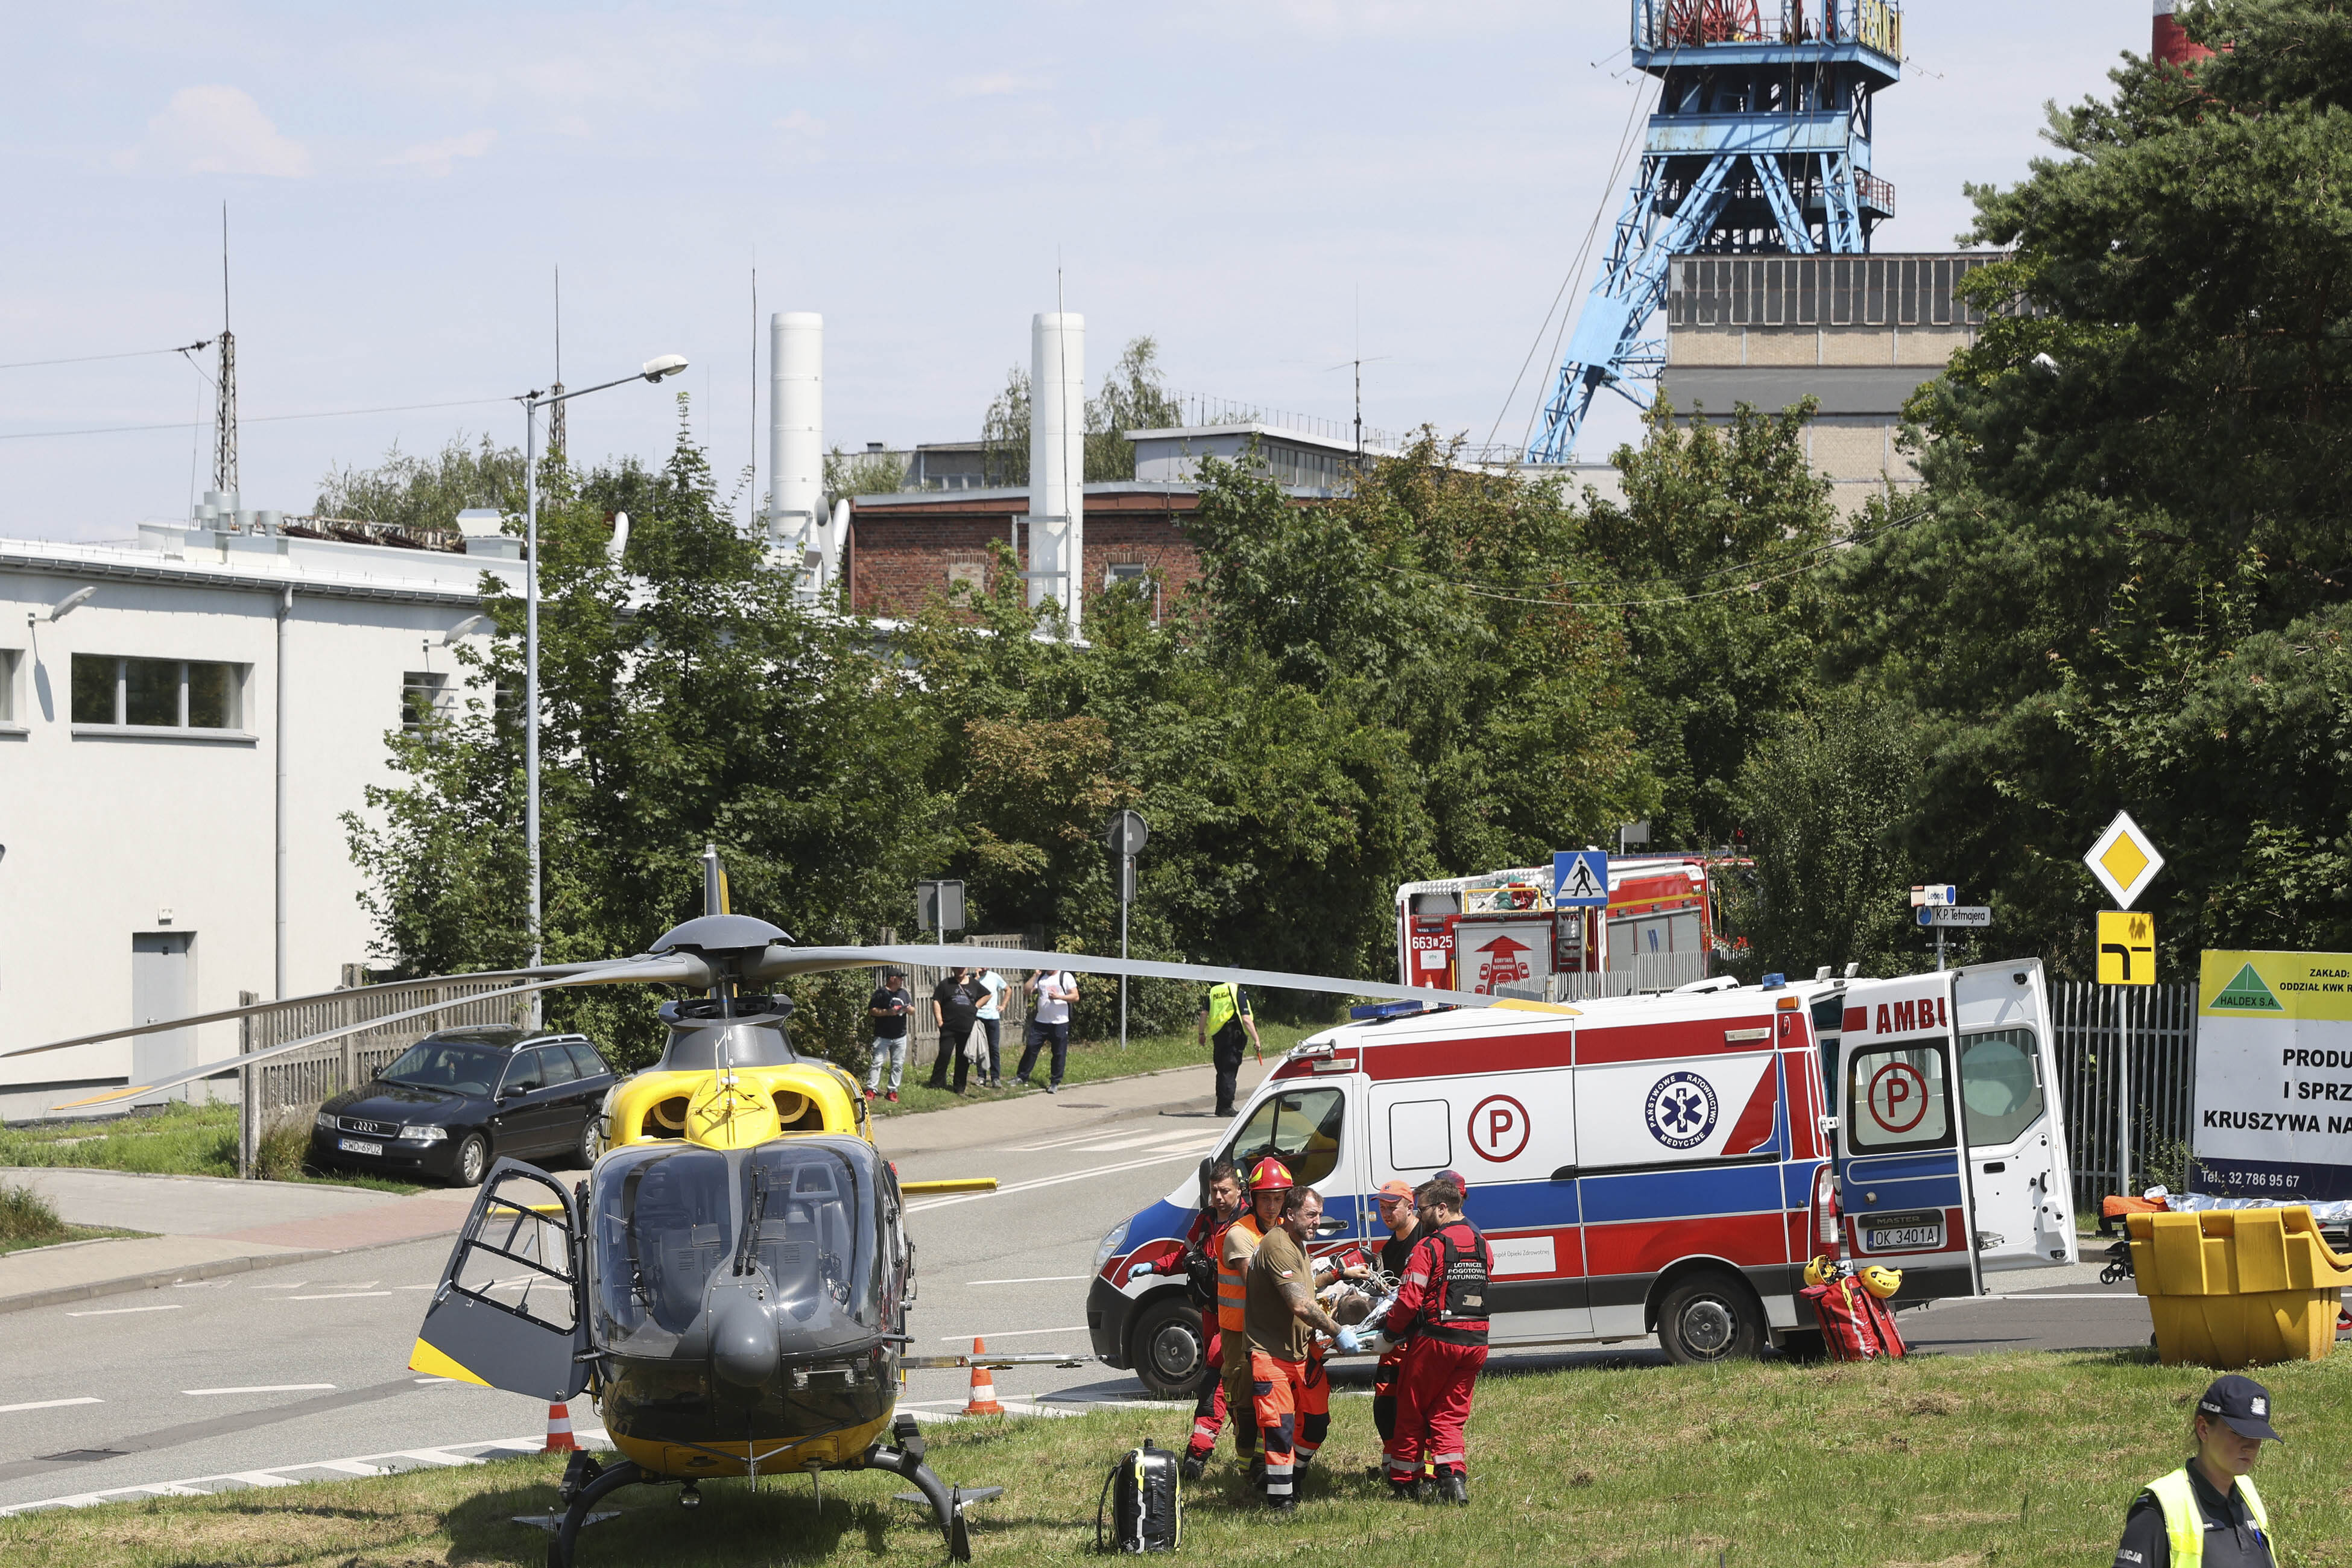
{"points": [[2128, 1102]]}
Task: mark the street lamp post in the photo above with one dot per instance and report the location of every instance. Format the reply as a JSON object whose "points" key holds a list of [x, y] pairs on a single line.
{"points": [[532, 402]]}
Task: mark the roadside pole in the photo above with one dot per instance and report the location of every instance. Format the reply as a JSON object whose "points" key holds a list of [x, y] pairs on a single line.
{"points": [[1127, 831], [2126, 861], [249, 1099], [1932, 906]]}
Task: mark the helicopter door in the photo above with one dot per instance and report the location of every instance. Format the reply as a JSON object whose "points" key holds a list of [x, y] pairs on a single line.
{"points": [[509, 1311]]}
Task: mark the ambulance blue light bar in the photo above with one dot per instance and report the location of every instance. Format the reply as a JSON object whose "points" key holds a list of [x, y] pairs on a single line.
{"points": [[1379, 1012]]}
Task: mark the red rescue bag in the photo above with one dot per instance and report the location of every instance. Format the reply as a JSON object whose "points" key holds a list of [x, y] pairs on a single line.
{"points": [[1849, 1328]]}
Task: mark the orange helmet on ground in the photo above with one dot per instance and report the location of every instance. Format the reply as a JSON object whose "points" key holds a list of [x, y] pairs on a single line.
{"points": [[1270, 1175]]}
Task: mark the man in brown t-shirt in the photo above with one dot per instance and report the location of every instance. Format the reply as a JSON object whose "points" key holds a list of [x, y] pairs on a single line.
{"points": [[1291, 1395]]}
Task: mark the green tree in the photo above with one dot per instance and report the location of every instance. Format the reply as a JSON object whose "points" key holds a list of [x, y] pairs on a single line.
{"points": [[687, 699], [426, 493], [1133, 396], [2134, 512], [1716, 549]]}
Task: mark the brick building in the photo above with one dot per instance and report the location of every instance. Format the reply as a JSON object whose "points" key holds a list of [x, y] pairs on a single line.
{"points": [[903, 547]]}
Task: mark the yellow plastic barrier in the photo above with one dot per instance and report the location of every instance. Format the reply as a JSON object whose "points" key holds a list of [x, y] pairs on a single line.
{"points": [[2231, 1287]]}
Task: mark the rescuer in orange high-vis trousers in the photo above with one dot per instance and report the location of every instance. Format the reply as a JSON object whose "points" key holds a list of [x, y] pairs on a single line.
{"points": [[1269, 1179], [1441, 1316], [1290, 1393], [1221, 1203]]}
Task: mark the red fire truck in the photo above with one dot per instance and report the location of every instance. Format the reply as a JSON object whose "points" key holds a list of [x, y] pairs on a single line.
{"points": [[1500, 933]]}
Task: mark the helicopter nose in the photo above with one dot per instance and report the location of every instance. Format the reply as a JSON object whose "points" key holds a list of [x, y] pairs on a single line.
{"points": [[743, 1347]]}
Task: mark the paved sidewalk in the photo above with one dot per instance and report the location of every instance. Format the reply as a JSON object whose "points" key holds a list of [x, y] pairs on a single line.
{"points": [[1175, 1091], [209, 1226]]}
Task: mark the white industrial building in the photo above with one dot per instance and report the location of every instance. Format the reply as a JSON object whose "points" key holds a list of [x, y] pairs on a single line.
{"points": [[184, 722]]}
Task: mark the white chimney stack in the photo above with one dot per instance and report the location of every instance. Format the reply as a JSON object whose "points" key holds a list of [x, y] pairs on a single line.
{"points": [[796, 520], [1058, 459]]}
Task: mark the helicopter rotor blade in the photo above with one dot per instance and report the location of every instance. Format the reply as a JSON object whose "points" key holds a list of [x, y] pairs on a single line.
{"points": [[680, 969], [780, 962]]}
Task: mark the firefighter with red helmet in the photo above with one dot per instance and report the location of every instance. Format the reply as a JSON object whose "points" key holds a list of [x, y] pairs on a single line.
{"points": [[1290, 1391], [1440, 1316], [1269, 1179], [1221, 1206]]}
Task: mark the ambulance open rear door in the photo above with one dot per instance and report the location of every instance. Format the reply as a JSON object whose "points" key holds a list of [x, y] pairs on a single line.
{"points": [[1903, 1183], [2019, 1168]]}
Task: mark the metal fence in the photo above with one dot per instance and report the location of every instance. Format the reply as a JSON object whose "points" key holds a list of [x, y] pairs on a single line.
{"points": [[923, 1032], [293, 1086], [2127, 1101]]}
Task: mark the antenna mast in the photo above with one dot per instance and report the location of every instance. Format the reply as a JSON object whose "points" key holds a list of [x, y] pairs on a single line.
{"points": [[555, 442], [225, 414]]}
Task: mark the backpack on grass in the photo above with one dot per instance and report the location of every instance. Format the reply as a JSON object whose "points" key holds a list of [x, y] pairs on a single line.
{"points": [[1144, 1501]]}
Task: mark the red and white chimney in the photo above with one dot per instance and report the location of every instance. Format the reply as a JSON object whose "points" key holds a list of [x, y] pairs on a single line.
{"points": [[2169, 45]]}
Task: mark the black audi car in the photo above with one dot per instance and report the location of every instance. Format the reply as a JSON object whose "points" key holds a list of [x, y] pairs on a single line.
{"points": [[459, 1099]]}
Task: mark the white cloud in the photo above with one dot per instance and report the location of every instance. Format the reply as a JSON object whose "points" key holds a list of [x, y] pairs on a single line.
{"points": [[436, 158], [801, 137], [217, 131], [998, 84]]}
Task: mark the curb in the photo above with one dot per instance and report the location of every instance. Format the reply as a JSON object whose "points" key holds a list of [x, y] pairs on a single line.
{"points": [[158, 1279]]}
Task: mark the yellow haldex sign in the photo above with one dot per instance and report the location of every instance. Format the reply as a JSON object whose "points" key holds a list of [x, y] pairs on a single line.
{"points": [[2273, 1098], [2316, 986]]}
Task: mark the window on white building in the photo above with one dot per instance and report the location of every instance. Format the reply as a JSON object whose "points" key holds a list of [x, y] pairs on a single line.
{"points": [[424, 699], [158, 693], [8, 661]]}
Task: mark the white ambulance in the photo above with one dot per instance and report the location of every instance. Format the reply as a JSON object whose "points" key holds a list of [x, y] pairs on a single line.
{"points": [[1660, 1165]]}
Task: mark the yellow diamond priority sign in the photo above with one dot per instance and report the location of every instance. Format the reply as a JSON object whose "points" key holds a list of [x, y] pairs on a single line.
{"points": [[2123, 860], [2126, 948]]}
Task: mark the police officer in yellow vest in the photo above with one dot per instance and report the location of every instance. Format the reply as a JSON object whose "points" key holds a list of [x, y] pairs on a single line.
{"points": [[1225, 1024], [2206, 1514]]}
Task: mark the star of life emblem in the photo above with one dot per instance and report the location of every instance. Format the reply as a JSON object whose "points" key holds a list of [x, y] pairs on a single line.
{"points": [[1681, 1109]]}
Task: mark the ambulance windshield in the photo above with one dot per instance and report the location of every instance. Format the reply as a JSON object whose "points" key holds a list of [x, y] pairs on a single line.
{"points": [[1300, 1127]]}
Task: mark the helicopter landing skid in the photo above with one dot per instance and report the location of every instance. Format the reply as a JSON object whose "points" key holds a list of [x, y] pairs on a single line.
{"points": [[906, 1461], [582, 1496]]}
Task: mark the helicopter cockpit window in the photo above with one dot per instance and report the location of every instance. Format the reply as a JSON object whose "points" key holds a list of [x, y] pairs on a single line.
{"points": [[663, 1223], [448, 1064], [802, 1206]]}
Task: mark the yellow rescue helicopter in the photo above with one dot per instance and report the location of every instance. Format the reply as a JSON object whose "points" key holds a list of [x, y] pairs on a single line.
{"points": [[730, 1283]]}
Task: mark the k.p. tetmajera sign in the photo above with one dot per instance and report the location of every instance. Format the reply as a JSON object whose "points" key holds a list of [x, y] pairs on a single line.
{"points": [[2274, 1108]]}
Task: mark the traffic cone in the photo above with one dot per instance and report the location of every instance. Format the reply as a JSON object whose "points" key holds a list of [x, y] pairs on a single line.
{"points": [[559, 1430], [983, 1388]]}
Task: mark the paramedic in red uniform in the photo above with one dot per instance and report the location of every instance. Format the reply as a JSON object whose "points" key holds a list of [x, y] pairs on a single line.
{"points": [[1441, 1314], [1398, 1213], [1201, 1248], [1290, 1391]]}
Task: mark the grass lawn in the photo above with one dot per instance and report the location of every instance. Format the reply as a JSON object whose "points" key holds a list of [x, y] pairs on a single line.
{"points": [[64, 1233], [1091, 1061], [1945, 1460], [182, 1139]]}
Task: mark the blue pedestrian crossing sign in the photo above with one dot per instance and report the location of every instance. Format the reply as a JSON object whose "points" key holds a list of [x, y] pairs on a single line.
{"points": [[1580, 880]]}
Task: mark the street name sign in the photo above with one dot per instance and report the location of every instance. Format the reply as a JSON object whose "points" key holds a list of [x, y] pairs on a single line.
{"points": [[2124, 860], [1973, 916]]}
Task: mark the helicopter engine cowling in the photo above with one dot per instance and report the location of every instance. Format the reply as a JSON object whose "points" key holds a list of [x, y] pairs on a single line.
{"points": [[744, 1349]]}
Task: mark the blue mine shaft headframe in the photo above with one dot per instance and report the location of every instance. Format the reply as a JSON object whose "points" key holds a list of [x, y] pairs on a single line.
{"points": [[1761, 144]]}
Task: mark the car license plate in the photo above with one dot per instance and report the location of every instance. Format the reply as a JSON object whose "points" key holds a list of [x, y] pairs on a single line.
{"points": [[358, 1146], [1906, 1239]]}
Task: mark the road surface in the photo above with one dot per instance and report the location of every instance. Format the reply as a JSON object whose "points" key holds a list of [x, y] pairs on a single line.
{"points": [[262, 1371]]}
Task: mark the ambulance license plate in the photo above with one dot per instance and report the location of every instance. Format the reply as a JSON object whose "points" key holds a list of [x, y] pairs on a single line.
{"points": [[1908, 1233], [358, 1146]]}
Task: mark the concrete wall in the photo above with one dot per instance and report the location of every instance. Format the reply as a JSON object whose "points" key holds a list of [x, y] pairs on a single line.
{"points": [[112, 835]]}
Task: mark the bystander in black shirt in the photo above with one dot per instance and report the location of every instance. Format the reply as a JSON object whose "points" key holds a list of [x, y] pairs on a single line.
{"points": [[2231, 1539], [891, 1026], [958, 1003]]}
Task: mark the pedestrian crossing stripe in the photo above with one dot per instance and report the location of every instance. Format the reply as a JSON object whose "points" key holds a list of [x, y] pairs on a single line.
{"points": [[2247, 993]]}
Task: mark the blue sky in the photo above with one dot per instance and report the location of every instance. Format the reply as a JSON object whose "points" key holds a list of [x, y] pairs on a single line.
{"points": [[1261, 186]]}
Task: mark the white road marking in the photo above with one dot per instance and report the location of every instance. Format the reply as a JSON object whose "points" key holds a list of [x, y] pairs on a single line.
{"points": [[339, 1296], [49, 1404], [117, 1312], [412, 1287], [1035, 1279], [1191, 1138], [425, 1380], [1086, 1175], [283, 1285], [259, 1388], [1136, 1136], [1010, 1334]]}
